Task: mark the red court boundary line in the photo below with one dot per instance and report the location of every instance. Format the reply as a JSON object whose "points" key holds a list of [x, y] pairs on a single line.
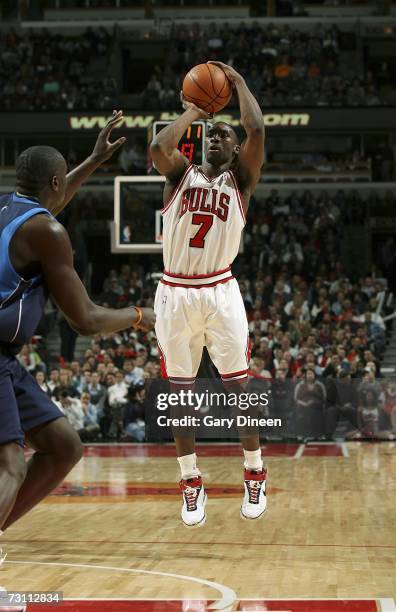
{"points": [[183, 543], [276, 605], [146, 605]]}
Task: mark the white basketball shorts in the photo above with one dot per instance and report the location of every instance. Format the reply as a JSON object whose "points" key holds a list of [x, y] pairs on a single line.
{"points": [[187, 319]]}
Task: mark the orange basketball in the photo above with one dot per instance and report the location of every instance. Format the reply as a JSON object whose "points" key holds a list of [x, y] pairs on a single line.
{"points": [[207, 86]]}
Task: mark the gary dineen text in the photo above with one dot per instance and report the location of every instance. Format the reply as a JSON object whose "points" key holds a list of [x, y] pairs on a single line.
{"points": [[210, 421]]}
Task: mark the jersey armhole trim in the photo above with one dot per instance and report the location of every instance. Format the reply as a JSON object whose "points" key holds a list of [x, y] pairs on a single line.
{"points": [[176, 190], [239, 197], [22, 219]]}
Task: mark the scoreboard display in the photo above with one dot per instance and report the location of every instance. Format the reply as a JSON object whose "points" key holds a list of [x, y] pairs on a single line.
{"points": [[192, 142]]}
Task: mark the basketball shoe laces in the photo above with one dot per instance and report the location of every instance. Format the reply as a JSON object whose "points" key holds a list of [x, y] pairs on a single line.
{"points": [[254, 488], [191, 496]]}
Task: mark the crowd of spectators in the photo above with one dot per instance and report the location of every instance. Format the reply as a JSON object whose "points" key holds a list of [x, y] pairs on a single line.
{"points": [[45, 70], [282, 66], [317, 335], [102, 397], [41, 70], [318, 345], [302, 232]]}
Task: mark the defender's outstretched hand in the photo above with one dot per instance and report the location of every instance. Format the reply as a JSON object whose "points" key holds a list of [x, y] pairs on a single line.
{"points": [[104, 149]]}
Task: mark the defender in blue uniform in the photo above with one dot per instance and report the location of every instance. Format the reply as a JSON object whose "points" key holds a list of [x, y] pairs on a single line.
{"points": [[36, 260], [23, 405]]}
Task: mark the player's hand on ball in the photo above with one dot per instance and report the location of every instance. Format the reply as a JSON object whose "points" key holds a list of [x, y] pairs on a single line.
{"points": [[201, 114], [104, 149], [230, 72], [148, 320]]}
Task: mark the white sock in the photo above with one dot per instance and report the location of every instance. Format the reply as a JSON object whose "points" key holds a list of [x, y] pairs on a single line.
{"points": [[188, 466], [253, 460]]}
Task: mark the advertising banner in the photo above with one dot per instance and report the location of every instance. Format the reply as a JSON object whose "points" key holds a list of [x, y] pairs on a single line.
{"points": [[298, 120]]}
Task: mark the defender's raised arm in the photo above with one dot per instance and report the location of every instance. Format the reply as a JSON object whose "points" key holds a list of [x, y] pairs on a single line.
{"points": [[102, 151], [50, 245]]}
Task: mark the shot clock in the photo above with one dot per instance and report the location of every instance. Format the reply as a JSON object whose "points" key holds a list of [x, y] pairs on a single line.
{"points": [[192, 142]]}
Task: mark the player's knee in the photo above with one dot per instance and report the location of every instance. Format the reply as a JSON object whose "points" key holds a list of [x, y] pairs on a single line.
{"points": [[67, 449], [12, 463], [72, 450]]}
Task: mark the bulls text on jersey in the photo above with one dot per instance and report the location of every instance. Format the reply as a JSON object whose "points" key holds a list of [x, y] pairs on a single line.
{"points": [[199, 199]]}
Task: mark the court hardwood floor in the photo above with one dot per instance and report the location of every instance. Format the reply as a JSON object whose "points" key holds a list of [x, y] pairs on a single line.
{"points": [[329, 531]]}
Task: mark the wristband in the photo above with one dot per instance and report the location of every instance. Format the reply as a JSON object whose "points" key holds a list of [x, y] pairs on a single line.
{"points": [[139, 317]]}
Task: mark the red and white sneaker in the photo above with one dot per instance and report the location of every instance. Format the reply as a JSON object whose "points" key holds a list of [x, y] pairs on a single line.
{"points": [[194, 501], [255, 501]]}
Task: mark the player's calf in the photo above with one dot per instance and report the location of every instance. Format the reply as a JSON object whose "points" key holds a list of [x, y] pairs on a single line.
{"points": [[12, 476], [58, 448]]}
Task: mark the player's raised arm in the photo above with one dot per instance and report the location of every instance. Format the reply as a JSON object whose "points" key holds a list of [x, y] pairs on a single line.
{"points": [[49, 244], [102, 151], [166, 157], [251, 154]]}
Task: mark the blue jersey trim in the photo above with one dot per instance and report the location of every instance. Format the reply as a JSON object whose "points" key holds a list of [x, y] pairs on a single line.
{"points": [[22, 302], [9, 277]]}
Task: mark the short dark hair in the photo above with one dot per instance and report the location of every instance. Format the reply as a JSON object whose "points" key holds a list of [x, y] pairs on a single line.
{"points": [[36, 166]]}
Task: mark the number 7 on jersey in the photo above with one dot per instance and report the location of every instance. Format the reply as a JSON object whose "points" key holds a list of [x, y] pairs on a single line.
{"points": [[206, 222]]}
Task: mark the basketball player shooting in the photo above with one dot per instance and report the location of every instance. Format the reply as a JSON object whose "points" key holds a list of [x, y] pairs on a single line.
{"points": [[36, 258], [198, 301]]}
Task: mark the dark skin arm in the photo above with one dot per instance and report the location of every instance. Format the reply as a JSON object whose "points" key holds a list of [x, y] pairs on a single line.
{"points": [[45, 242], [102, 151], [166, 157], [251, 153]]}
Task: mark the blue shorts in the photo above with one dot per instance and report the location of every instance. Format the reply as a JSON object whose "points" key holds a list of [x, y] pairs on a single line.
{"points": [[23, 405]]}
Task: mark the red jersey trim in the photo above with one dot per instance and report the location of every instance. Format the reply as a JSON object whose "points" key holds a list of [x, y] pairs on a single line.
{"points": [[198, 275], [225, 376], [248, 351], [222, 281], [234, 381], [164, 373], [176, 191], [239, 196]]}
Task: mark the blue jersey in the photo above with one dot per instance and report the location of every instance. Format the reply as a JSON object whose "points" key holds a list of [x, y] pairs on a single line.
{"points": [[22, 302]]}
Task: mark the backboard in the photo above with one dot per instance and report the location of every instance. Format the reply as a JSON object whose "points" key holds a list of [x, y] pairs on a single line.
{"points": [[137, 225]]}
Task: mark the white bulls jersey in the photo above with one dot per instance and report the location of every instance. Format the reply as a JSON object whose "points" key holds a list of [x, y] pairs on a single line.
{"points": [[202, 224], [198, 302]]}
